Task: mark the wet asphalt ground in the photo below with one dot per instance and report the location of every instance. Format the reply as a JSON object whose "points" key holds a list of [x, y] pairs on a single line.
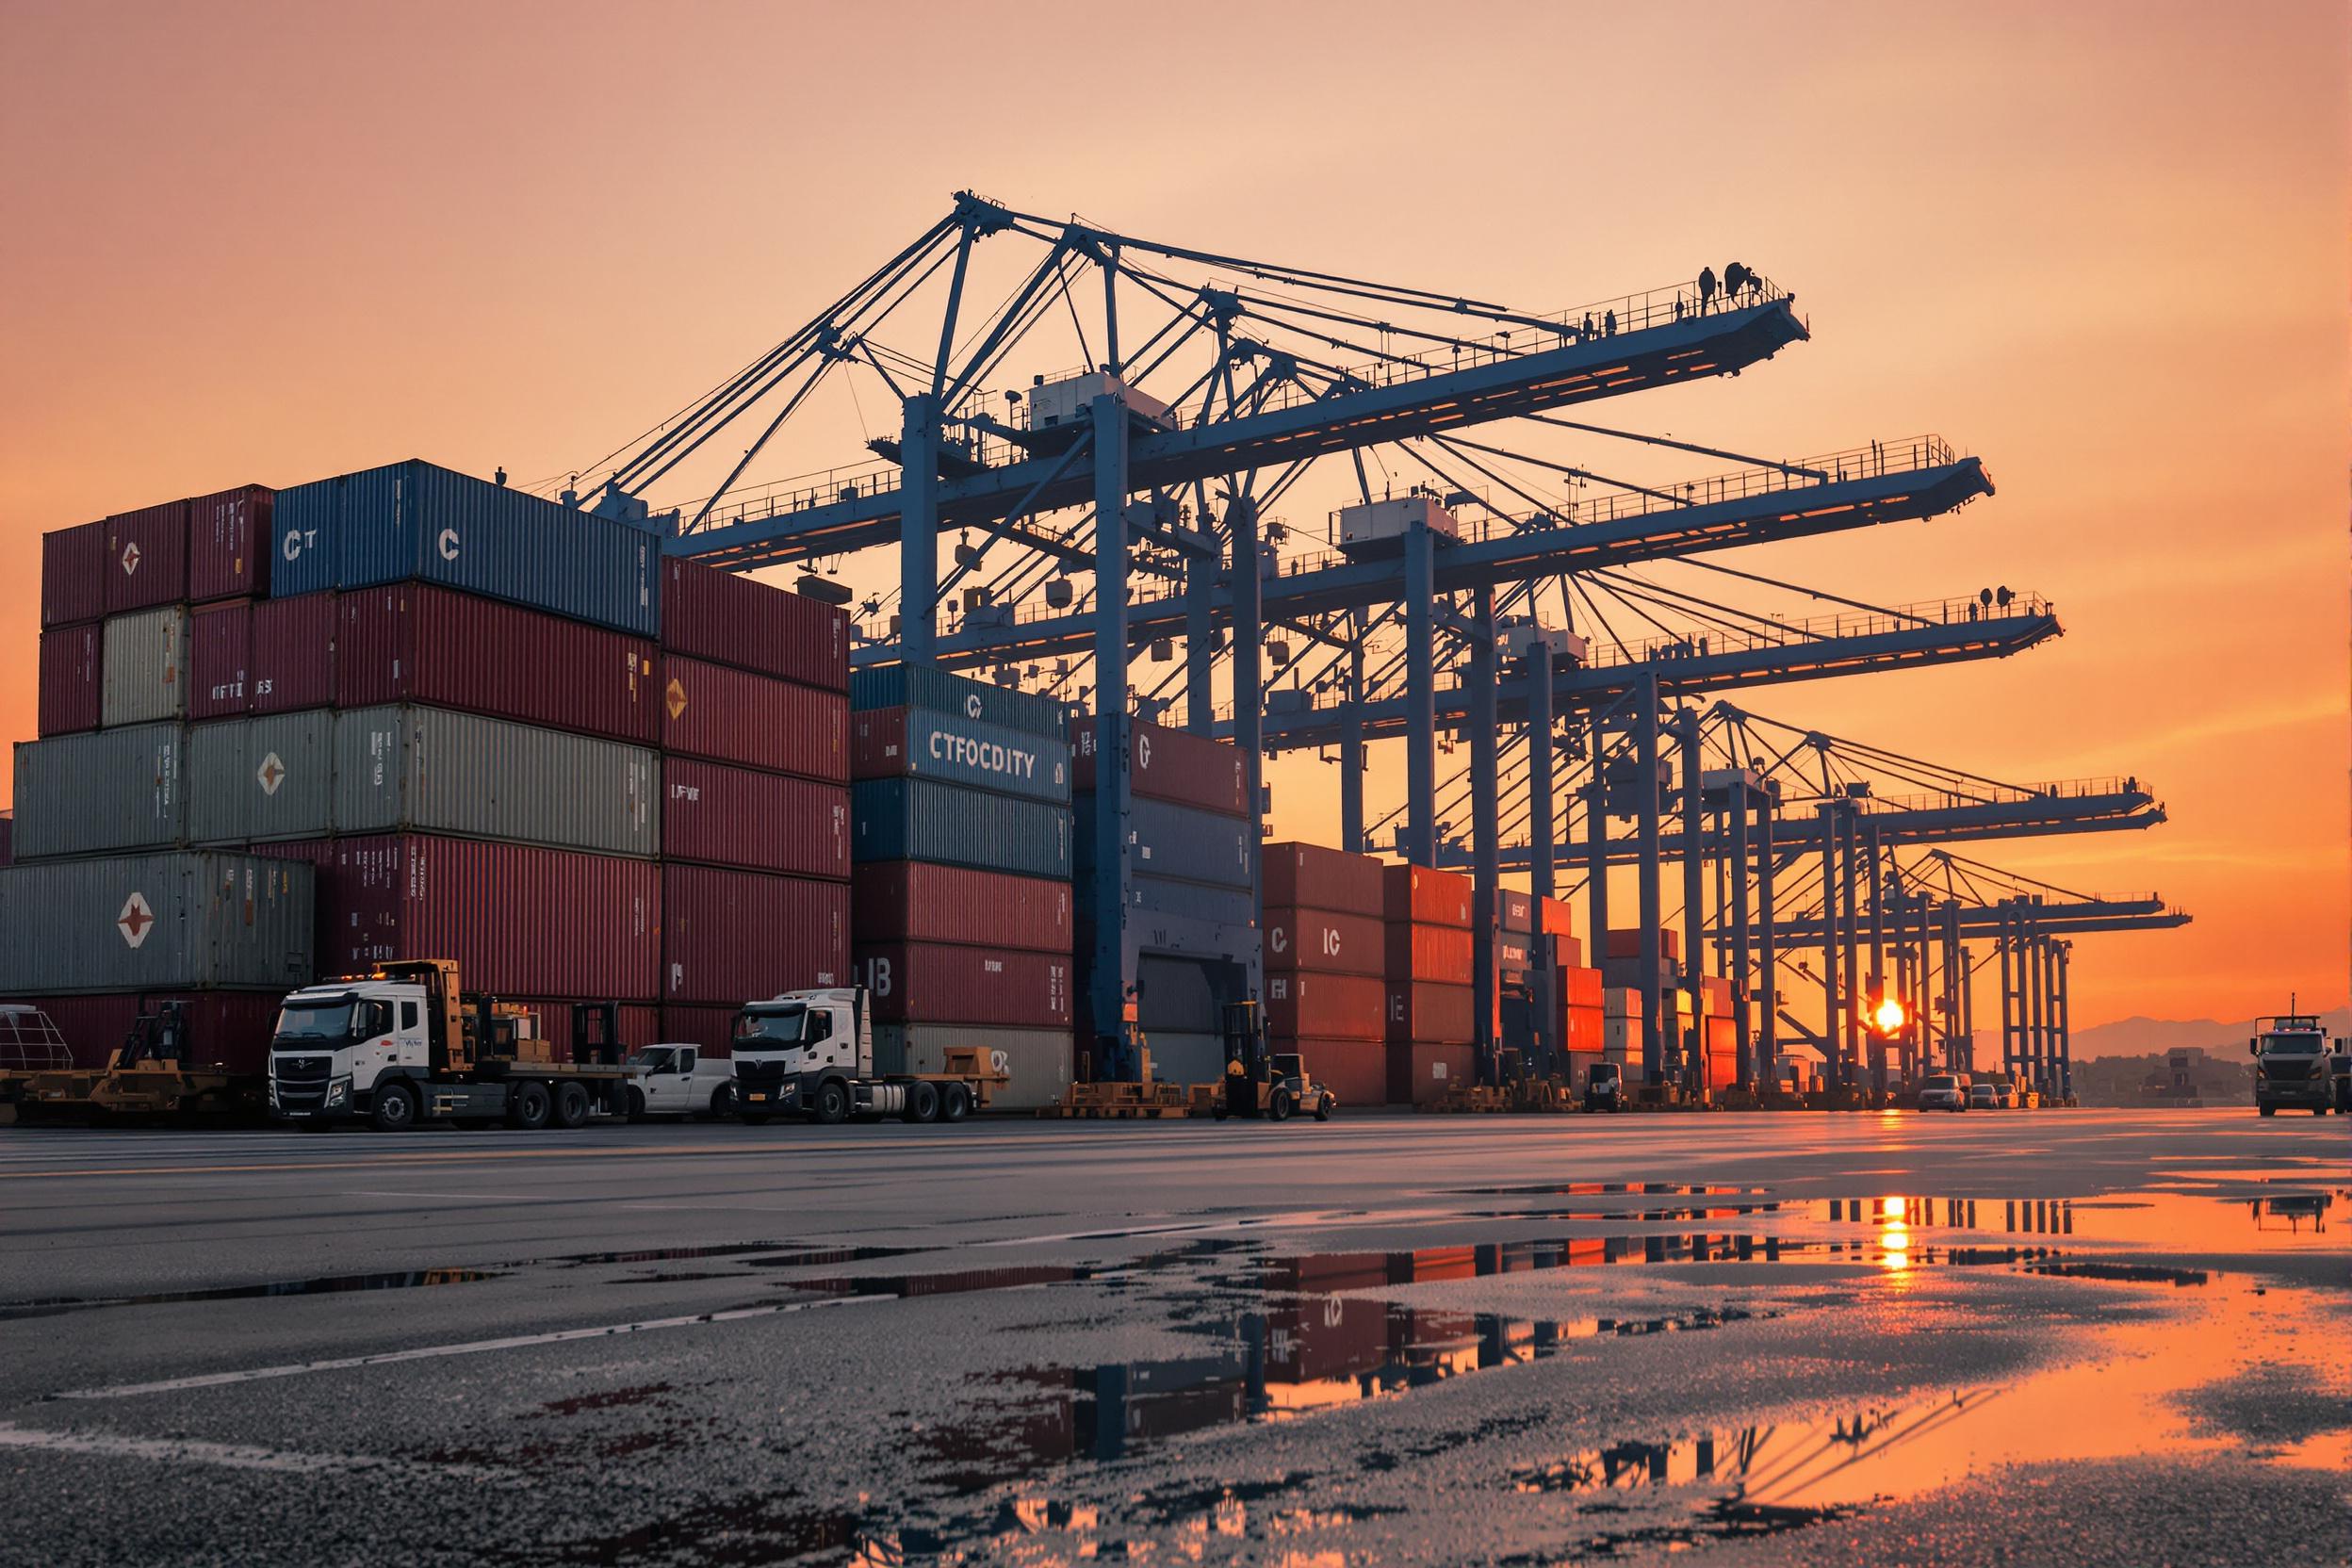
{"points": [[2055, 1337]]}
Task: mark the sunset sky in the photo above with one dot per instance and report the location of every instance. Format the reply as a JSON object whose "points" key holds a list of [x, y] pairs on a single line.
{"points": [[2102, 245]]}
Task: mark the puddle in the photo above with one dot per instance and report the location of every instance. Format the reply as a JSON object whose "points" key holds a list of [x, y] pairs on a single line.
{"points": [[1606, 1189], [782, 1254], [2217, 1223], [754, 1530], [326, 1286]]}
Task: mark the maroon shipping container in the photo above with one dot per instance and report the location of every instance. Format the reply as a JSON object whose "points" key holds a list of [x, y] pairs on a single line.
{"points": [[1425, 897], [293, 653], [220, 661], [732, 936], [915, 901], [1356, 1071], [1173, 765], [69, 698], [1628, 945], [731, 619], [227, 1031], [1310, 876], [728, 816], [1440, 953], [415, 643], [229, 544], [147, 558], [935, 983], [730, 715], [1325, 942], [1341, 1006], [1446, 1015], [712, 1029], [73, 574], [519, 921], [1420, 1072]]}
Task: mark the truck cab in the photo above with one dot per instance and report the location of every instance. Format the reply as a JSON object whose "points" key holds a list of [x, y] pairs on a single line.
{"points": [[2293, 1065], [811, 1053], [335, 1043]]}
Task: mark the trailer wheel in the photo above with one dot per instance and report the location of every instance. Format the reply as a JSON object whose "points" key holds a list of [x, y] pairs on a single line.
{"points": [[571, 1105], [1278, 1106], [1323, 1108], [527, 1106], [636, 1104], [722, 1102], [922, 1102], [395, 1109], [955, 1102], [832, 1101]]}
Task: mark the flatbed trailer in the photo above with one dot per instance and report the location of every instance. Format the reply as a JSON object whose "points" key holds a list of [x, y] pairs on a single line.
{"points": [[811, 1055]]}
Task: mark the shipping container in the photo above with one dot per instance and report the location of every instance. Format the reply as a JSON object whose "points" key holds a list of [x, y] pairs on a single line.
{"points": [[732, 619], [1515, 910], [936, 983], [229, 544], [1037, 1061], [721, 815], [69, 692], [1325, 942], [948, 748], [1626, 972], [1356, 1071], [1717, 992], [1420, 1071], [220, 1031], [73, 574], [1419, 895], [913, 901], [1580, 988], [147, 557], [1580, 1063], [729, 716], [420, 643], [710, 1029], [928, 686], [143, 666], [1157, 895], [1514, 951], [104, 793], [1443, 954], [293, 656], [913, 819], [185, 921], [1179, 842], [1343, 1007], [732, 936], [261, 779], [1313, 877], [1616, 1002], [1584, 1029], [1174, 765], [415, 521], [1628, 945], [1420, 1010], [404, 769], [219, 659]]}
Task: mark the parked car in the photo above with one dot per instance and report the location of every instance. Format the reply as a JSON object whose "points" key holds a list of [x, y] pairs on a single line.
{"points": [[678, 1080], [1983, 1097], [1941, 1091]]}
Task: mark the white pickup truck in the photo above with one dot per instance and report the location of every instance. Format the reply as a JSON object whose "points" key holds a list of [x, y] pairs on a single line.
{"points": [[679, 1080]]}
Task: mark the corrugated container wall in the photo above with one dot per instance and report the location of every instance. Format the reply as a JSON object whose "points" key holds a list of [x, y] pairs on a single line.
{"points": [[901, 901], [294, 653], [103, 793], [1037, 1061], [1355, 1070], [428, 770], [415, 643], [1443, 954], [1178, 841], [413, 520], [909, 819], [731, 619], [143, 673], [224, 1031], [269, 777], [1157, 895], [1312, 876], [1170, 764], [928, 686], [732, 936], [73, 574], [729, 716], [1420, 1010], [219, 659], [712, 1029], [925, 983], [229, 544], [70, 695], [922, 743], [147, 557], [1325, 942], [186, 921], [730, 816], [1338, 1007], [1419, 895]]}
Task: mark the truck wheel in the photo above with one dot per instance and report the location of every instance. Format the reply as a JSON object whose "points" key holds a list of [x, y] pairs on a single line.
{"points": [[527, 1106], [571, 1105], [395, 1108], [722, 1102], [955, 1102], [922, 1102], [1279, 1107], [832, 1101], [636, 1105], [1323, 1108], [2267, 1110]]}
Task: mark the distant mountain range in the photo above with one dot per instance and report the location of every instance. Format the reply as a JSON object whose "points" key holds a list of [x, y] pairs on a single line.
{"points": [[2142, 1036]]}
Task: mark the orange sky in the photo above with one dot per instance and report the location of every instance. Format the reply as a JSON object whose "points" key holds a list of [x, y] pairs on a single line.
{"points": [[2101, 246]]}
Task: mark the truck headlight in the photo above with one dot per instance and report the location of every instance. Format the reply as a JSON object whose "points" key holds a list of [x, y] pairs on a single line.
{"points": [[338, 1092]]}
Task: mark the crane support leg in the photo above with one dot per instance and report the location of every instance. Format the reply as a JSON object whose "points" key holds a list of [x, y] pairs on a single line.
{"points": [[1420, 698], [1654, 996], [1114, 967], [1767, 938], [1736, 816], [1830, 1009], [1485, 816], [1249, 699], [918, 533], [1694, 897]]}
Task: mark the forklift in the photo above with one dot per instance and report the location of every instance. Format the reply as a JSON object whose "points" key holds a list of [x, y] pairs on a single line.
{"points": [[1261, 1084]]}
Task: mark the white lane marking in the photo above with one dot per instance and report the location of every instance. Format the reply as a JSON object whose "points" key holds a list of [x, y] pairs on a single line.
{"points": [[235, 1456], [429, 1352], [471, 1197]]}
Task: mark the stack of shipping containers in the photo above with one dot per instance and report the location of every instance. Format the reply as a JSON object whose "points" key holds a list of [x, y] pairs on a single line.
{"points": [[961, 839], [1426, 963], [1326, 995], [1628, 998]]}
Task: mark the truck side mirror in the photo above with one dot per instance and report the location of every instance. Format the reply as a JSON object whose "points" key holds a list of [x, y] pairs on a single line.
{"points": [[2253, 1048]]}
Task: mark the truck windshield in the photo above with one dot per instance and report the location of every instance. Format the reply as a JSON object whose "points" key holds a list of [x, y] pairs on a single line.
{"points": [[656, 1059], [771, 1026], [314, 1021], [1940, 1081], [2291, 1045]]}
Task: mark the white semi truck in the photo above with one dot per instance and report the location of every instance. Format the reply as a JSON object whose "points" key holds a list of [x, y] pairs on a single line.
{"points": [[811, 1053]]}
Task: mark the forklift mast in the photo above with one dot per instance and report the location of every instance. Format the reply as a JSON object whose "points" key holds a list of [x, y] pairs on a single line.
{"points": [[1245, 1037], [155, 1037], [596, 1032]]}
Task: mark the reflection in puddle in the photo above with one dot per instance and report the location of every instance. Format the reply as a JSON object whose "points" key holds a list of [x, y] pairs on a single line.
{"points": [[326, 1286]]}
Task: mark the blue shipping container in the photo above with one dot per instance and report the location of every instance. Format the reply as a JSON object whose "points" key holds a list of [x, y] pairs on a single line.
{"points": [[1174, 842], [413, 520], [922, 742], [928, 686], [915, 818]]}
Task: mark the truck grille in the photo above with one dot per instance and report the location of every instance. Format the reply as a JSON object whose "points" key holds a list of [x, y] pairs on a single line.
{"points": [[302, 1070], [760, 1074]]}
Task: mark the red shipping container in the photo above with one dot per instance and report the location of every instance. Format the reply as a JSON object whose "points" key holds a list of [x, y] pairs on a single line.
{"points": [[73, 574], [1340, 1006], [147, 557], [729, 816], [1583, 1028], [915, 901], [1420, 1072], [229, 544], [1628, 945], [292, 662], [731, 619], [70, 697], [1421, 896], [1717, 994], [712, 1029], [1440, 953], [1444, 1015], [1356, 1071], [220, 661], [415, 643], [730, 715], [1555, 919], [1722, 1034], [728, 936], [1173, 765], [935, 983], [226, 1031], [1313, 877], [1580, 988], [1325, 942]]}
